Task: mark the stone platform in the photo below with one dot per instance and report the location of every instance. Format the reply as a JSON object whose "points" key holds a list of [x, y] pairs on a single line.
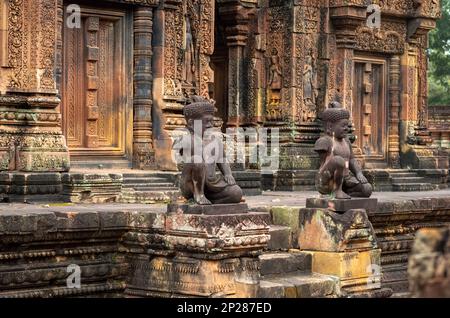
{"points": [[112, 241]]}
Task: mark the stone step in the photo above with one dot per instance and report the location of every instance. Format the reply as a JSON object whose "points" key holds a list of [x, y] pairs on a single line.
{"points": [[164, 175], [101, 164], [298, 285], [398, 180], [147, 197], [144, 180], [152, 189], [280, 238], [146, 185], [410, 187], [402, 174], [283, 263]]}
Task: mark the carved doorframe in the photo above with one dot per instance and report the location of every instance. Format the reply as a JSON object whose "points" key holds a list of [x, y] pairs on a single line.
{"points": [[383, 61], [138, 37]]}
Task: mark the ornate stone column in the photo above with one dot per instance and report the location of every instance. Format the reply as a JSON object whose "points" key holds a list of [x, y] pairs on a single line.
{"points": [[31, 138], [394, 113], [143, 154]]}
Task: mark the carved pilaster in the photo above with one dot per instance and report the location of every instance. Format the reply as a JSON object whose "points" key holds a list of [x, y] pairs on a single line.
{"points": [[236, 18], [306, 63], [161, 139], [394, 112], [346, 18], [143, 155]]}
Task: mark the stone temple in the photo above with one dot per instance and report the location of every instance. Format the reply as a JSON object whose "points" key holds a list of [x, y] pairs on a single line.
{"points": [[91, 100]]}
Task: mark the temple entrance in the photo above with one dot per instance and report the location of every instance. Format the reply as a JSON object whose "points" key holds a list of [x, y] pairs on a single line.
{"points": [[369, 110], [96, 83]]}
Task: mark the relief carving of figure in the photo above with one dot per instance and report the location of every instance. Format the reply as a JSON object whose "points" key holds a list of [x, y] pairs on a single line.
{"points": [[309, 81], [275, 73], [310, 91], [189, 68]]}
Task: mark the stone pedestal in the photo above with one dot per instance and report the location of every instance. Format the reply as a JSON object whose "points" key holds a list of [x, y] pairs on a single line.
{"points": [[200, 251], [216, 209], [343, 245]]}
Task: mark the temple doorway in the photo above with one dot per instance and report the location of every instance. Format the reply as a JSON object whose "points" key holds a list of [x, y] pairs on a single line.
{"points": [[369, 110], [96, 84]]}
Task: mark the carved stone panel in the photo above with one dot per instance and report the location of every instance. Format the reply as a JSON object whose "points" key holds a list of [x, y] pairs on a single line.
{"points": [[389, 39]]}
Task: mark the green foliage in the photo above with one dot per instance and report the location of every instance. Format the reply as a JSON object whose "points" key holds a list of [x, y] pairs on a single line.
{"points": [[439, 68]]}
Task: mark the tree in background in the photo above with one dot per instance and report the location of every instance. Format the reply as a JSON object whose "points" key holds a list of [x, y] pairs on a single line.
{"points": [[439, 66]]}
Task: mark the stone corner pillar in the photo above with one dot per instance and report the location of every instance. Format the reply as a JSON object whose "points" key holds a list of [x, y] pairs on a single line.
{"points": [[31, 138]]}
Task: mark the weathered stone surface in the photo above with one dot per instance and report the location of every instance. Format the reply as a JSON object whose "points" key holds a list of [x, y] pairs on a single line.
{"points": [[215, 209], [287, 216], [249, 181], [342, 205], [280, 238], [358, 271], [303, 285], [323, 230], [282, 263], [92, 188], [344, 246], [429, 264], [219, 232], [271, 290]]}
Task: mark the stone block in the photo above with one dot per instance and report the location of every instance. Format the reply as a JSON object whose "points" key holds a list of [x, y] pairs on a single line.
{"points": [[308, 286], [346, 264], [249, 181], [323, 230], [140, 220], [214, 233], [26, 223], [357, 271], [84, 220], [282, 263], [214, 209], [280, 238], [342, 205], [270, 290], [112, 219], [287, 216], [315, 287]]}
